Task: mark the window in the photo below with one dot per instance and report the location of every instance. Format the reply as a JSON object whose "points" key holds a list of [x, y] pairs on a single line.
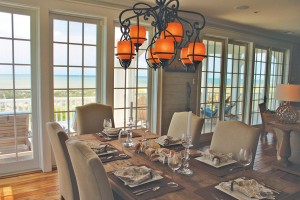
{"points": [[235, 81], [131, 85], [16, 91], [276, 77], [75, 62], [211, 83]]}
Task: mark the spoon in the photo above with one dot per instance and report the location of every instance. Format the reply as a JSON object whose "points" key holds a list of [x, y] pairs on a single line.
{"points": [[153, 189]]}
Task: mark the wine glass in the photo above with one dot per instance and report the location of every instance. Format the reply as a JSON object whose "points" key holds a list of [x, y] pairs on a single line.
{"points": [[107, 124], [122, 140], [174, 162], [145, 127], [186, 140], [245, 157]]}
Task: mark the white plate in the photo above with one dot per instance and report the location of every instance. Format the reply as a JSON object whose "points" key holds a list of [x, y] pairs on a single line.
{"points": [[235, 194], [154, 178], [172, 144], [209, 162]]}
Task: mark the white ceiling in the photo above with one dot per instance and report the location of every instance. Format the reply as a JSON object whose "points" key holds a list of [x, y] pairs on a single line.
{"points": [[280, 16]]}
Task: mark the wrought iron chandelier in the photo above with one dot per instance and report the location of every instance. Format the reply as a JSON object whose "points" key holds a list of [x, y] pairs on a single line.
{"points": [[172, 34]]}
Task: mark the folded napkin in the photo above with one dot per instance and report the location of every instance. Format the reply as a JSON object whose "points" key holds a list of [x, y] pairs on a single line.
{"points": [[134, 175], [167, 140], [100, 148], [217, 157], [112, 131], [251, 188]]}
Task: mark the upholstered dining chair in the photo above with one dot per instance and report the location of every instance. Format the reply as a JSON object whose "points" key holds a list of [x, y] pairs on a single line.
{"points": [[91, 177], [231, 136], [178, 126], [89, 118], [67, 180]]}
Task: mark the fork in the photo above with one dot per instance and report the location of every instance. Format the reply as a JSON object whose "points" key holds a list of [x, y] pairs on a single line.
{"points": [[149, 190]]}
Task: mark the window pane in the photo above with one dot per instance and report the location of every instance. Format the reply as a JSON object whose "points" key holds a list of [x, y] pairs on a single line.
{"points": [[90, 56], [90, 33], [75, 99], [22, 52], [5, 51], [22, 77], [6, 77], [60, 100], [60, 33], [142, 78], [75, 77], [23, 101], [6, 25], [89, 96], [90, 78], [60, 77], [75, 55], [75, 33], [119, 95], [119, 77], [131, 78], [7, 97], [21, 26], [60, 54], [119, 117]]}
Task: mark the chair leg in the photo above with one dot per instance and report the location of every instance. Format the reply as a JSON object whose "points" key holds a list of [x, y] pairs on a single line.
{"points": [[62, 198]]}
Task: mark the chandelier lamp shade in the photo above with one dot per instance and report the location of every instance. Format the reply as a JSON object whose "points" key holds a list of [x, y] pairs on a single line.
{"points": [[174, 35]]}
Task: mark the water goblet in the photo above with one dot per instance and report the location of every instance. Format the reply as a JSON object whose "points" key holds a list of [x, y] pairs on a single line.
{"points": [[245, 157], [107, 124], [145, 128], [122, 140], [174, 162]]}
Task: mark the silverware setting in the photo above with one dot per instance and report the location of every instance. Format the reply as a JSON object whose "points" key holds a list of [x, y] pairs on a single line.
{"points": [[142, 191], [236, 167], [105, 137]]}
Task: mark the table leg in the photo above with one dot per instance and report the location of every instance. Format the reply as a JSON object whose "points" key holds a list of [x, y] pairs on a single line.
{"points": [[283, 147]]}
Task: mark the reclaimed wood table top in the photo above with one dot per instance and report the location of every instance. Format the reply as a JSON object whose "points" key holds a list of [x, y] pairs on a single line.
{"points": [[192, 185]]}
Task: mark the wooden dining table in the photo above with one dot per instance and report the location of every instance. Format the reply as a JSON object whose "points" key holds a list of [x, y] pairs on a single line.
{"points": [[198, 186]]}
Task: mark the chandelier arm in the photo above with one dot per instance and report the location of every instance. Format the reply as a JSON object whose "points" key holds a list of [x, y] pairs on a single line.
{"points": [[195, 13], [188, 33]]}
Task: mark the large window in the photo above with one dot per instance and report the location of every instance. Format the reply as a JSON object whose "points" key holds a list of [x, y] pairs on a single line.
{"points": [[275, 77], [235, 81], [131, 86], [259, 83], [211, 83], [16, 92], [75, 61]]}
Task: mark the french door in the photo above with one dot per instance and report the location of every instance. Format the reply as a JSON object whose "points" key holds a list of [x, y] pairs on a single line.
{"points": [[18, 132]]}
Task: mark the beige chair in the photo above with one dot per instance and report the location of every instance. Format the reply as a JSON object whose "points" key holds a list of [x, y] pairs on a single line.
{"points": [[91, 176], [67, 181], [178, 126], [231, 136], [89, 118]]}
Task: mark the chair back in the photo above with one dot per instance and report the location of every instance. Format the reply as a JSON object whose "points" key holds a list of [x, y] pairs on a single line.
{"points": [[178, 126], [91, 177], [89, 118], [67, 180], [231, 136]]}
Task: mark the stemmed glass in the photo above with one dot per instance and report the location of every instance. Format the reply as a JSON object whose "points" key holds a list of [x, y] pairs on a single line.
{"points": [[122, 141], [245, 157], [145, 127], [187, 143], [107, 124], [174, 162]]}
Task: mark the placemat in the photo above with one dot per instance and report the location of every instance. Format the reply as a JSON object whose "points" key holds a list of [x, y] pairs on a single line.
{"points": [[162, 183], [222, 171], [107, 158], [103, 138], [211, 193]]}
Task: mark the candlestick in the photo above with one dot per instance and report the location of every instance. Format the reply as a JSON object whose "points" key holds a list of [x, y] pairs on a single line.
{"points": [[131, 110], [188, 132]]}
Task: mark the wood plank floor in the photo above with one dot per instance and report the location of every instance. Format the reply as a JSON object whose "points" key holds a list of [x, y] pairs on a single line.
{"points": [[44, 186]]}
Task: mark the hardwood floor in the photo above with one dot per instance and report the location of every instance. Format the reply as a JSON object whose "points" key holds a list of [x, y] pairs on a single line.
{"points": [[38, 186]]}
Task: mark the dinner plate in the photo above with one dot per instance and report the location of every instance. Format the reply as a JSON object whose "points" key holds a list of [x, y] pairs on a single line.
{"points": [[154, 178], [172, 144], [235, 194], [209, 162]]}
